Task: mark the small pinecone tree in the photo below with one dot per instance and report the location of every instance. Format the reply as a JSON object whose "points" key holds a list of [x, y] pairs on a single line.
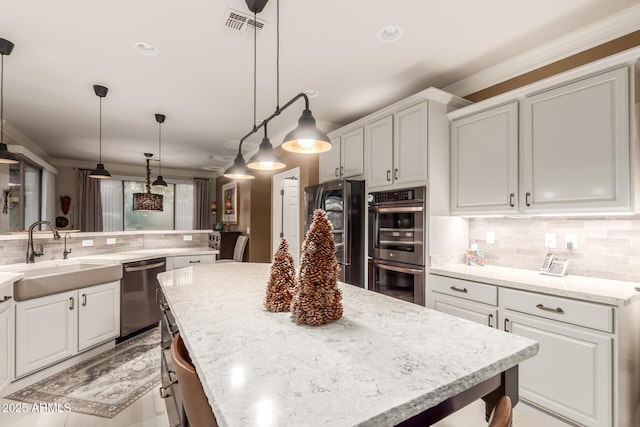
{"points": [[317, 298], [281, 281]]}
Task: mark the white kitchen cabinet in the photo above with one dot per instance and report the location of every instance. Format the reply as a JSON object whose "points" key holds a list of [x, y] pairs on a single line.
{"points": [[97, 320], [476, 302], [52, 328], [180, 261], [398, 148], [572, 373], [484, 162], [6, 338], [46, 331], [475, 312], [346, 157], [576, 146]]}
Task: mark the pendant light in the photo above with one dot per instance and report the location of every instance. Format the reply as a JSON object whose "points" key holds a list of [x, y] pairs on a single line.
{"points": [[159, 182], [100, 172], [147, 202], [6, 157], [306, 138]]}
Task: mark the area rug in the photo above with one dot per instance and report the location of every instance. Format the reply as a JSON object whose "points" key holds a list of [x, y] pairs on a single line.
{"points": [[105, 384]]}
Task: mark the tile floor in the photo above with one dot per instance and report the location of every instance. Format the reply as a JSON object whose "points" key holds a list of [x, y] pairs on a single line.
{"points": [[149, 411]]}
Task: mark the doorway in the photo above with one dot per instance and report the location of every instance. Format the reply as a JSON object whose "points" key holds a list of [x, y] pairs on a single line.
{"points": [[285, 215]]}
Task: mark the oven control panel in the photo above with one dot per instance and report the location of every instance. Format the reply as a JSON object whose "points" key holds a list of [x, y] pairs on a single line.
{"points": [[393, 196]]}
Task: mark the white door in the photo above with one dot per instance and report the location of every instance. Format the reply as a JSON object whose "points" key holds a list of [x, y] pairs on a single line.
{"points": [[285, 211], [98, 314], [410, 144], [46, 331], [572, 372], [380, 149]]}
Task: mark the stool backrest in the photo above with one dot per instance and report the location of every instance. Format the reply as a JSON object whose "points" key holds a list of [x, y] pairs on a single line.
{"points": [[238, 250], [502, 414]]}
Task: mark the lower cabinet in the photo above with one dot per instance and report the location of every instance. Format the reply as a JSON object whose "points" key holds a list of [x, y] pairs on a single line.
{"points": [[180, 261], [571, 374], [475, 312], [6, 342], [52, 328]]}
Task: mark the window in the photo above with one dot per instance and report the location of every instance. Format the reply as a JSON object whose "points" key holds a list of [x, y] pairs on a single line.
{"points": [[22, 194], [117, 206]]}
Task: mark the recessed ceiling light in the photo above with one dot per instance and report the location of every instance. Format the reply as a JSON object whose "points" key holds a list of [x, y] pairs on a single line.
{"points": [[390, 34], [311, 93], [147, 49]]}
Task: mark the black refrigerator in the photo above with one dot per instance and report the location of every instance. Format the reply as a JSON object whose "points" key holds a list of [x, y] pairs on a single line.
{"points": [[345, 204]]}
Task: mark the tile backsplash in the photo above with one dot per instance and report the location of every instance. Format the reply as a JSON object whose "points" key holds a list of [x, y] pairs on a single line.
{"points": [[13, 251], [607, 247]]}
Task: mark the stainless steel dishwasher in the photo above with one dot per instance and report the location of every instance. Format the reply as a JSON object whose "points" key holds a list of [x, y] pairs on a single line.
{"points": [[138, 307]]}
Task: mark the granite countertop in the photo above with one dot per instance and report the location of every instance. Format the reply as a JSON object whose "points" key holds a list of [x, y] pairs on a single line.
{"points": [[611, 292], [141, 254], [384, 361], [8, 278]]}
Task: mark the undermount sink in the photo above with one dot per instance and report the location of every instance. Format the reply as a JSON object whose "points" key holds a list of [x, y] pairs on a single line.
{"points": [[43, 280]]}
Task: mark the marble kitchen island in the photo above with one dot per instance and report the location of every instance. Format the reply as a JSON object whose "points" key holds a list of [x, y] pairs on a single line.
{"points": [[384, 362]]}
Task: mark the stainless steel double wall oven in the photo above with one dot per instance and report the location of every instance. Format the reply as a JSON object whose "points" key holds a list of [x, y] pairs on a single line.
{"points": [[397, 243]]}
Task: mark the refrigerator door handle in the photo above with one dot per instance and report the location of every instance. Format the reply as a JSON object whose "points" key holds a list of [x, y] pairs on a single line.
{"points": [[346, 225]]}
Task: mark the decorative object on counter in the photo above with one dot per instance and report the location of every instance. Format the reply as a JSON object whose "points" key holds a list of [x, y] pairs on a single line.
{"points": [[105, 384], [317, 298], [475, 257], [305, 139], [65, 203], [147, 202], [61, 221], [282, 280], [159, 182], [6, 157], [100, 172], [220, 226]]}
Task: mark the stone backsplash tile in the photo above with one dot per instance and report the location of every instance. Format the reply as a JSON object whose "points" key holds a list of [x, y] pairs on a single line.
{"points": [[608, 247]]}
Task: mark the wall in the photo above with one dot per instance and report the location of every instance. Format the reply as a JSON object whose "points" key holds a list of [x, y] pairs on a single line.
{"points": [[254, 197], [608, 247]]}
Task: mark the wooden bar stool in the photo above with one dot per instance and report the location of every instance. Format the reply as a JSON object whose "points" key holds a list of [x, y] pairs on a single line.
{"points": [[194, 400], [502, 414]]}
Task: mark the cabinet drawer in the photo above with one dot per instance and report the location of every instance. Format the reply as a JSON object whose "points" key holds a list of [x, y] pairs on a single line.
{"points": [[474, 291], [579, 313], [186, 261]]}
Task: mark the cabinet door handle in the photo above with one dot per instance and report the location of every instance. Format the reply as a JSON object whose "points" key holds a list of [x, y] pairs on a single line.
{"points": [[506, 325], [194, 262], [71, 303], [158, 300], [163, 392], [388, 175], [395, 174], [527, 199], [165, 345], [336, 172], [463, 290], [553, 310], [511, 197], [490, 321], [84, 300], [341, 170], [5, 299]]}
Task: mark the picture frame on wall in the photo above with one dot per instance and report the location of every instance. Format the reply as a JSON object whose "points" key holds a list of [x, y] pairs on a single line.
{"points": [[230, 203]]}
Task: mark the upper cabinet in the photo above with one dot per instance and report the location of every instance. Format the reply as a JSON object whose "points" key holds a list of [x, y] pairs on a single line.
{"points": [[564, 145], [484, 162], [346, 157]]}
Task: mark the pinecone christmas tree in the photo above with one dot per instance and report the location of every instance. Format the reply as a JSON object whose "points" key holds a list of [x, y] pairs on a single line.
{"points": [[317, 298], [282, 280]]}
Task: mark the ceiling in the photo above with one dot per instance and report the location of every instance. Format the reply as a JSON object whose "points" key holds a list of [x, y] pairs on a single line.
{"points": [[202, 79]]}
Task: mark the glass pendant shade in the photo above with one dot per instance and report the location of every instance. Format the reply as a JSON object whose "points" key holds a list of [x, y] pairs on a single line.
{"points": [[307, 138], [266, 158], [147, 202], [100, 172], [239, 169]]}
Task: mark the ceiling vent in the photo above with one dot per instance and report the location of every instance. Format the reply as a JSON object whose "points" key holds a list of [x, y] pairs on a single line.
{"points": [[237, 22]]}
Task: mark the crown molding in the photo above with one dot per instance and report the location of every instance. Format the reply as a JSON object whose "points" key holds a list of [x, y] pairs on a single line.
{"points": [[605, 30]]}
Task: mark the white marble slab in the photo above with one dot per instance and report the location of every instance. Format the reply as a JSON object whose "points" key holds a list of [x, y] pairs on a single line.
{"points": [[611, 292], [384, 361], [8, 278]]}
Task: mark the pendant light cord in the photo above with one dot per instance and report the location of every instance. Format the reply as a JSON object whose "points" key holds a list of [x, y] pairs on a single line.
{"points": [[277, 54], [255, 67], [160, 147], [2, 100], [100, 137]]}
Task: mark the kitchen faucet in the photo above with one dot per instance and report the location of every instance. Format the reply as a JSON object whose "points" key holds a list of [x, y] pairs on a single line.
{"points": [[66, 252], [31, 253]]}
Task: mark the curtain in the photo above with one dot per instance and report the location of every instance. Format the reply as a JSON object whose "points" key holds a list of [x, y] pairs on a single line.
{"points": [[201, 215], [89, 202]]}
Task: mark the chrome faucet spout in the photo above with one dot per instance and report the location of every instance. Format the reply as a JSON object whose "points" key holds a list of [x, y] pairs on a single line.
{"points": [[31, 252]]}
